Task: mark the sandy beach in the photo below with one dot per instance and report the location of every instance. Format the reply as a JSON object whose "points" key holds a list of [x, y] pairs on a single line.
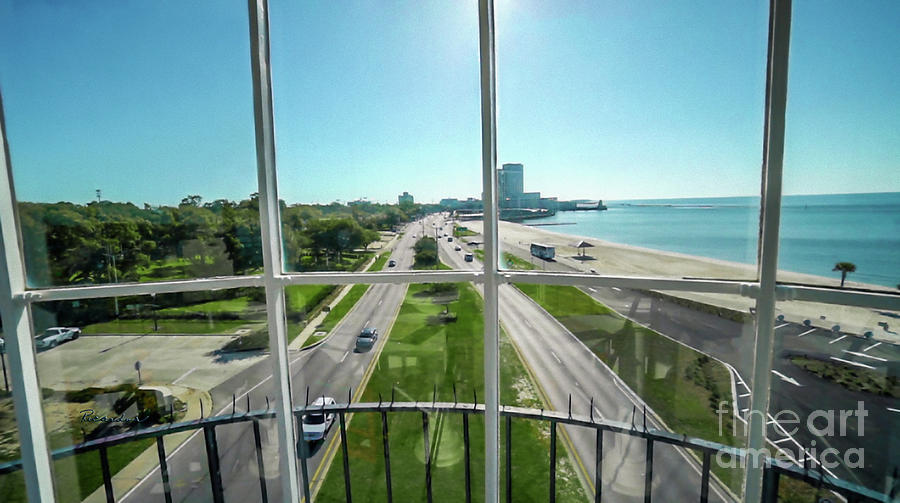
{"points": [[624, 260]]}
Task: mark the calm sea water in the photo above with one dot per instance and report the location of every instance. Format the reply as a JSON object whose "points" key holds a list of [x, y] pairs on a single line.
{"points": [[816, 231]]}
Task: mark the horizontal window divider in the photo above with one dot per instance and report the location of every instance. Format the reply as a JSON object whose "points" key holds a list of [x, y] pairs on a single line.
{"points": [[347, 278], [871, 299], [742, 288], [123, 289]]}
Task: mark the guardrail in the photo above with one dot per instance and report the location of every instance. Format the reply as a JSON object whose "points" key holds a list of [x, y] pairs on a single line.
{"points": [[774, 470]]}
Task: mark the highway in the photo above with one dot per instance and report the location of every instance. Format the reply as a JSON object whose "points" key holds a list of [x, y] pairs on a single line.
{"points": [[331, 369], [563, 366]]}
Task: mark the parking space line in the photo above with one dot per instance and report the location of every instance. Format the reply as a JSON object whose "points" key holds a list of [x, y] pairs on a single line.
{"points": [[184, 375], [852, 363], [839, 338], [591, 289], [872, 346], [782, 325], [863, 355], [811, 330], [780, 440]]}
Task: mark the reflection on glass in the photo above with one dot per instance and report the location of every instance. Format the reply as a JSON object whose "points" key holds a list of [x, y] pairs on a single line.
{"points": [[377, 113], [163, 359], [840, 223], [614, 351], [629, 136], [131, 141], [835, 392]]}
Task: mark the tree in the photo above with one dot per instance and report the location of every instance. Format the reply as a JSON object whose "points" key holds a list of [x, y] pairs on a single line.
{"points": [[844, 267]]}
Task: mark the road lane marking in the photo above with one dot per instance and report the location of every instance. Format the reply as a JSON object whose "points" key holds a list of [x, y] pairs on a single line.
{"points": [[617, 289], [380, 301], [597, 411], [782, 325], [367, 323], [576, 384], [556, 357], [528, 323], [893, 410], [745, 395], [839, 338], [344, 357], [591, 289], [811, 330], [872, 346], [184, 375], [786, 378], [854, 353], [853, 363]]}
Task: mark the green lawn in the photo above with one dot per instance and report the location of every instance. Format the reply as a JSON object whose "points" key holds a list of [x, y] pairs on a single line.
{"points": [[237, 306], [682, 385], [461, 233], [166, 326], [425, 351], [337, 313], [379, 262]]}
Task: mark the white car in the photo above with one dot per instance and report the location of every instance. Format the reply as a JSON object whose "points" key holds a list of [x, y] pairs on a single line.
{"points": [[317, 424], [55, 336]]}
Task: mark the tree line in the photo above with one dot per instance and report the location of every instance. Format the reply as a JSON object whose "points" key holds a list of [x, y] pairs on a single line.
{"points": [[102, 241]]}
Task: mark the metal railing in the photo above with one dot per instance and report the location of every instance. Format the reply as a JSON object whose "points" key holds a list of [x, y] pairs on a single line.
{"points": [[774, 469]]}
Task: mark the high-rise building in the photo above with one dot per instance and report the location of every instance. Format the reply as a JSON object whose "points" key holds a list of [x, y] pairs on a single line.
{"points": [[511, 181], [405, 197]]}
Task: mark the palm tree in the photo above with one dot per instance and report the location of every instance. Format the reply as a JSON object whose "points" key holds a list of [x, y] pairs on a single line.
{"points": [[844, 267]]}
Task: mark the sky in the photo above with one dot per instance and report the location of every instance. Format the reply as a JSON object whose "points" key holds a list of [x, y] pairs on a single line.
{"points": [[152, 101]]}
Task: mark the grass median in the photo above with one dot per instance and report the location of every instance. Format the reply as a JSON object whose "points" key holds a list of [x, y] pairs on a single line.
{"points": [[683, 386], [436, 342]]}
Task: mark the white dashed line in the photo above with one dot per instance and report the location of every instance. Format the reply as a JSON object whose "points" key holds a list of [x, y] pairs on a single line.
{"points": [[591, 289], [852, 363], [745, 395], [811, 330], [893, 410], [598, 413], [344, 357], [617, 289], [872, 346], [556, 357], [839, 338]]}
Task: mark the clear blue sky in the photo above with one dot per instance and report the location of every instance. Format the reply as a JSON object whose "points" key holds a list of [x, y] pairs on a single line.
{"points": [[151, 101]]}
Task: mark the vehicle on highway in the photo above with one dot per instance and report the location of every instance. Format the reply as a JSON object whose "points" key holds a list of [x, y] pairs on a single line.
{"points": [[366, 339], [317, 424], [449, 239], [470, 257], [392, 263], [55, 336], [543, 251], [457, 248]]}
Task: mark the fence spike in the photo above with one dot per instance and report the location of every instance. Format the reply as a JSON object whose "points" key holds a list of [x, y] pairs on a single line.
{"points": [[570, 406], [475, 399], [267, 403], [633, 412], [307, 396], [379, 399], [433, 395], [454, 393], [349, 395], [645, 417], [201, 408], [591, 409], [248, 403], [233, 404]]}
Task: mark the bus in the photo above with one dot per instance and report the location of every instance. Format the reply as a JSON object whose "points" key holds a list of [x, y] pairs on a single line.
{"points": [[545, 252]]}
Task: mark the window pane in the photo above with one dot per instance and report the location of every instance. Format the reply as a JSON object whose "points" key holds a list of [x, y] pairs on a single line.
{"points": [[166, 359], [378, 120], [649, 118], [130, 129], [840, 223], [612, 351], [835, 392], [12, 485]]}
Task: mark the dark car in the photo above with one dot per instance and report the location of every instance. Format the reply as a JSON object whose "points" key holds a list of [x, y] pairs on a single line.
{"points": [[366, 339], [392, 263]]}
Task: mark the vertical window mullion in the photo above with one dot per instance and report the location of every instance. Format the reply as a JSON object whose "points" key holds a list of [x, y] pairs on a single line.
{"points": [[776, 99], [492, 274], [270, 228], [18, 325]]}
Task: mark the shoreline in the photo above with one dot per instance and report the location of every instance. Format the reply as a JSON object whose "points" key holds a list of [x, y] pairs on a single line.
{"points": [[628, 260]]}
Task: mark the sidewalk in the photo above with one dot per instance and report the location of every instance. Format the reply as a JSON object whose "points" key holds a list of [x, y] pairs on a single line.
{"points": [[144, 463]]}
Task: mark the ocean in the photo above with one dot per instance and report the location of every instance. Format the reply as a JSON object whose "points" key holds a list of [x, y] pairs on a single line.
{"points": [[816, 230]]}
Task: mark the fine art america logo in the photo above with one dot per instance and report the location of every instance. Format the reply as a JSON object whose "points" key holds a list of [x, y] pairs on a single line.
{"points": [[821, 423], [88, 416]]}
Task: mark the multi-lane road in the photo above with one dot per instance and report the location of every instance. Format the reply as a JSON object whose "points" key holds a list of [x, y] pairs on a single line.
{"points": [[560, 364]]}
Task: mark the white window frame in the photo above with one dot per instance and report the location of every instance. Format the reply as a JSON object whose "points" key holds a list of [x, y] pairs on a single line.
{"points": [[16, 299]]}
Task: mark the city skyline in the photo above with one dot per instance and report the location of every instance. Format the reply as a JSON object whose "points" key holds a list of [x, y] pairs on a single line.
{"points": [[600, 102]]}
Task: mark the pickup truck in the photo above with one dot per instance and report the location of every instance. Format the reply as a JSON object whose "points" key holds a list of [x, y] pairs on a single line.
{"points": [[55, 336]]}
